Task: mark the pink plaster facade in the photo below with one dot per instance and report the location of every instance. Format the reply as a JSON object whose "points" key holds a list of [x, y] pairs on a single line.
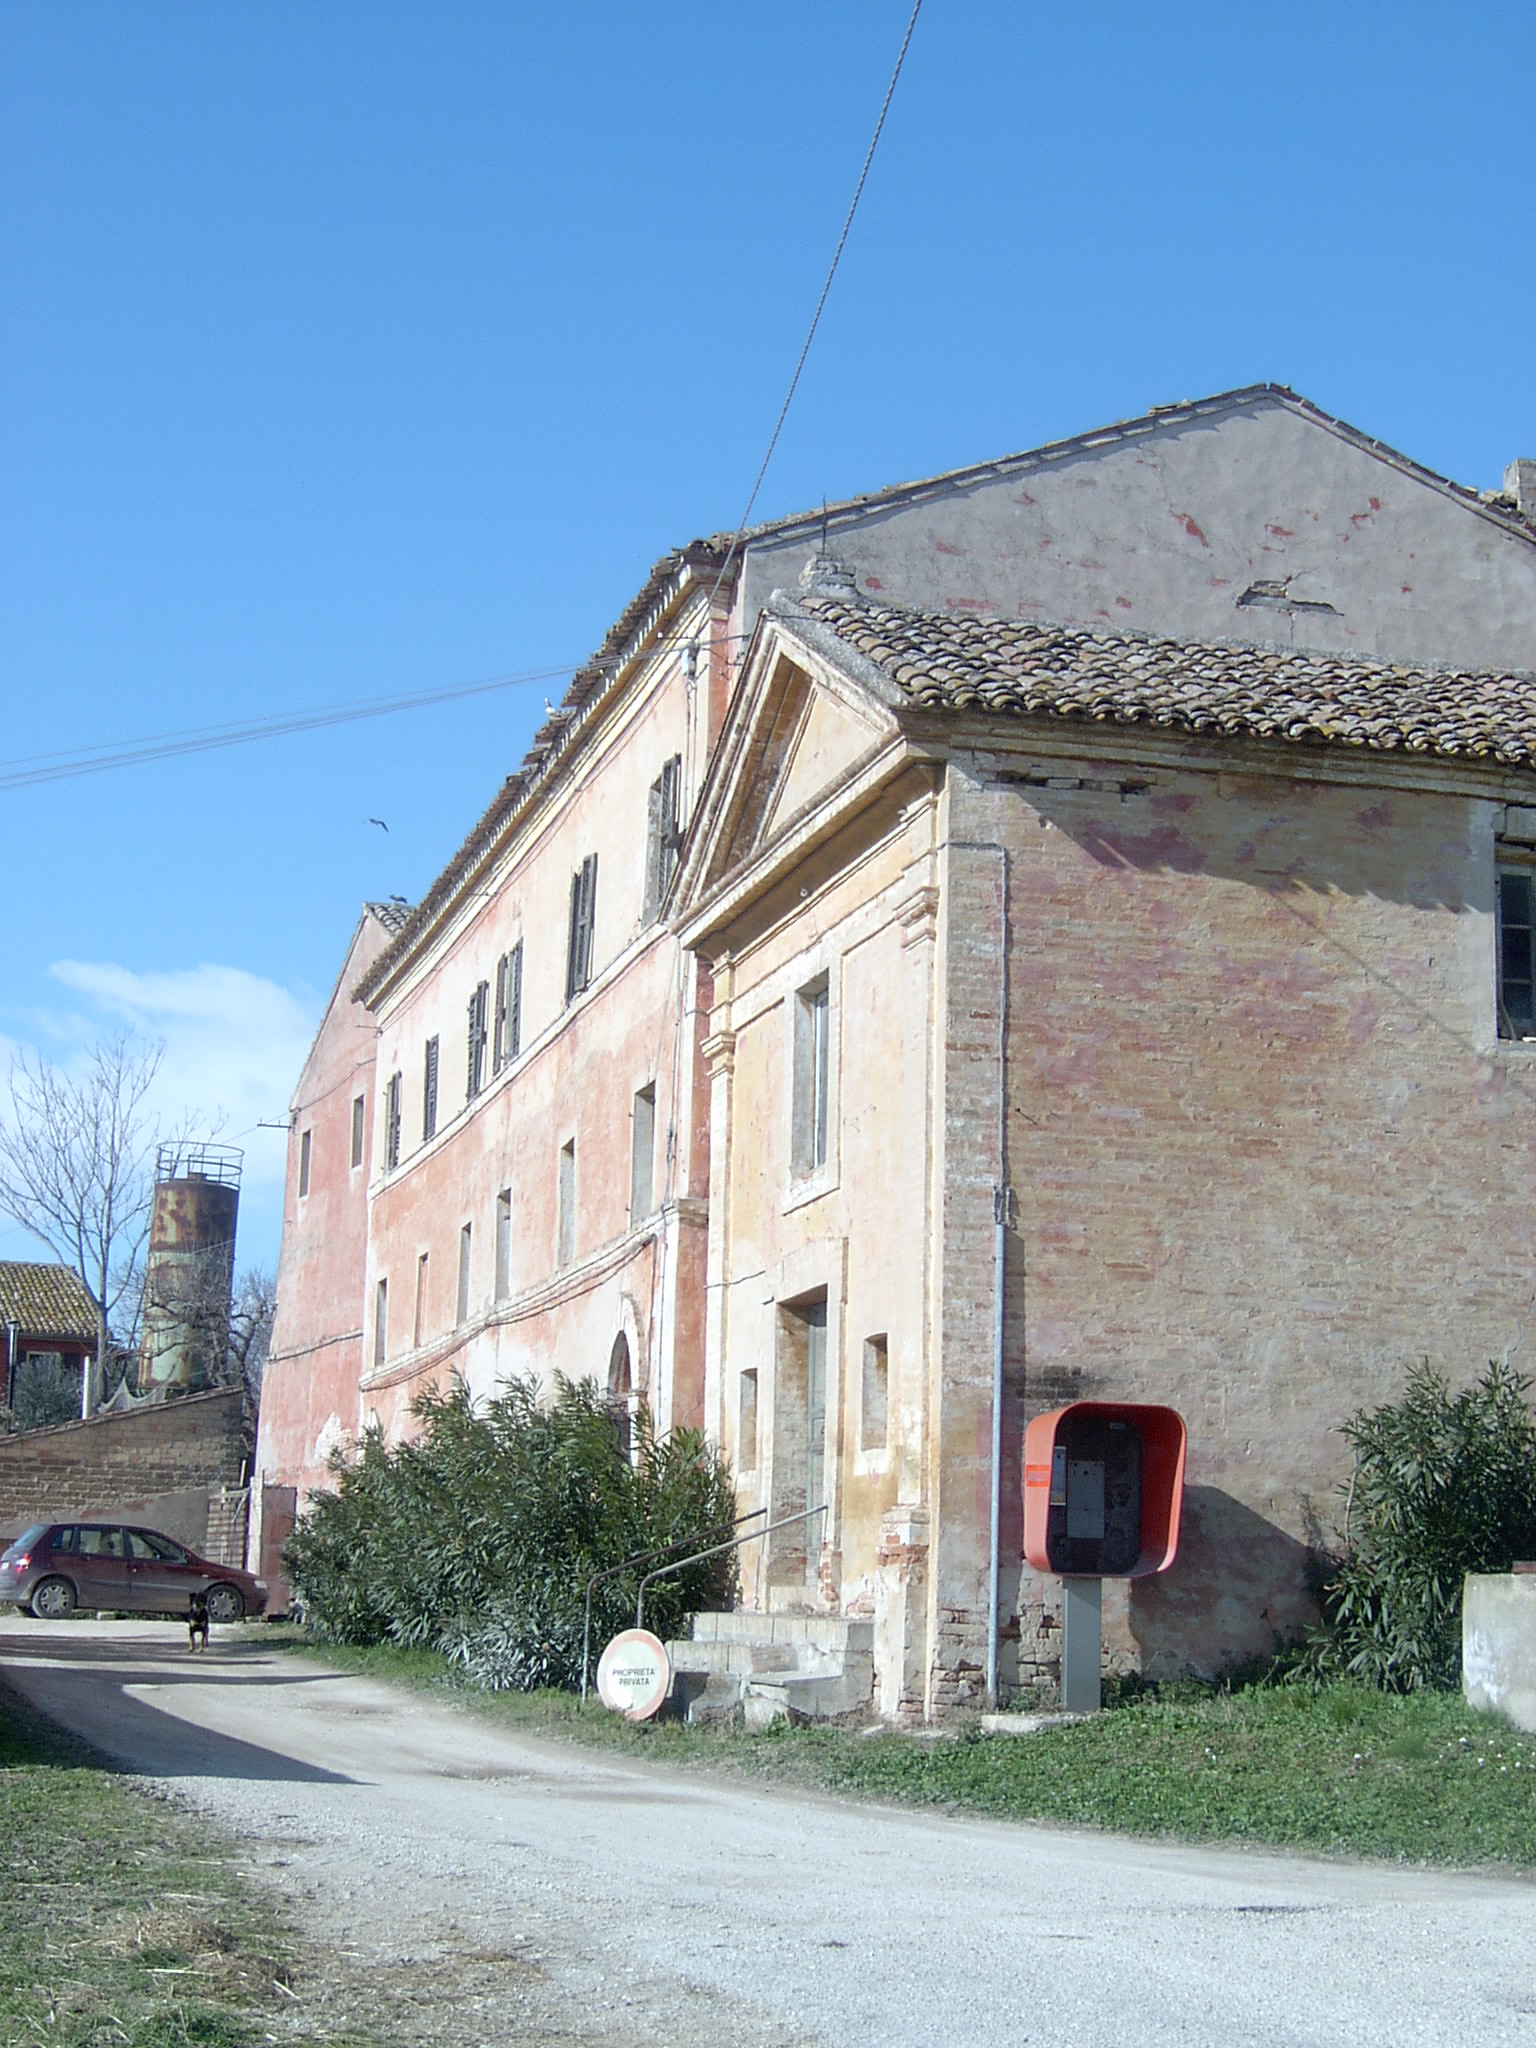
{"points": [[554, 1220], [309, 1395]]}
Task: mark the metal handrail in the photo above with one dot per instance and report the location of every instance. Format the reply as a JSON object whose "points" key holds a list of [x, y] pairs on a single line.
{"points": [[734, 1543], [614, 1571]]}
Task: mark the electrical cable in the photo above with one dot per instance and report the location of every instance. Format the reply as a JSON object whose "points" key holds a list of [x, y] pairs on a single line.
{"points": [[26, 771], [810, 336], [29, 771]]}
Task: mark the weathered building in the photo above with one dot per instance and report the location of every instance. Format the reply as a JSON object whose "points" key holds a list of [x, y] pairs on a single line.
{"points": [[589, 1146], [49, 1322], [1106, 1018], [309, 1392]]}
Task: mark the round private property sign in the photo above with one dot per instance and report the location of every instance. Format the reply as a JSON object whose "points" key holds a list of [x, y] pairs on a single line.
{"points": [[634, 1674]]}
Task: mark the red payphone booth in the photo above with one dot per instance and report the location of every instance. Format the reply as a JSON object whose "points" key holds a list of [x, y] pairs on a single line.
{"points": [[1103, 1486]]}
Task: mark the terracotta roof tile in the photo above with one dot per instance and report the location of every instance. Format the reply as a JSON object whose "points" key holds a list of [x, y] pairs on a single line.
{"points": [[947, 662], [46, 1301]]}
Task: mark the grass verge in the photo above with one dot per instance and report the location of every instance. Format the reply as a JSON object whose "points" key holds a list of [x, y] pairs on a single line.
{"points": [[121, 1920], [1345, 1770]]}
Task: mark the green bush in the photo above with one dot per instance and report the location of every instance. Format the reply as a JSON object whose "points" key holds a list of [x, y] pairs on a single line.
{"points": [[1444, 1484], [478, 1536]]}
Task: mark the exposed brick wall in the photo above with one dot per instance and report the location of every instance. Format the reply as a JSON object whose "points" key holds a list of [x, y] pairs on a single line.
{"points": [[169, 1448], [227, 1512]]}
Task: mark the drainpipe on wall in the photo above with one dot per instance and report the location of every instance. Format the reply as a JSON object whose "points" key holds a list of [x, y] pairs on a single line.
{"points": [[1001, 1200]]}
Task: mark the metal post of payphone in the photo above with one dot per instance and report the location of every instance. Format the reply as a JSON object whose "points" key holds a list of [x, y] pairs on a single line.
{"points": [[1082, 1639]]}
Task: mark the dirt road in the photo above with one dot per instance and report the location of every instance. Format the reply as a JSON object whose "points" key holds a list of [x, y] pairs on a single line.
{"points": [[491, 1889]]}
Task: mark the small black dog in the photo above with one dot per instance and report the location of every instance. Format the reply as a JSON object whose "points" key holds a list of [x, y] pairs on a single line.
{"points": [[197, 1623]]}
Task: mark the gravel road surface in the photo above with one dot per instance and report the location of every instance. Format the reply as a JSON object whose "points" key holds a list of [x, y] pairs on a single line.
{"points": [[465, 1884]]}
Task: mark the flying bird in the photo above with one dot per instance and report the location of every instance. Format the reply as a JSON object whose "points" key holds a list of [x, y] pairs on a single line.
{"points": [[380, 823]]}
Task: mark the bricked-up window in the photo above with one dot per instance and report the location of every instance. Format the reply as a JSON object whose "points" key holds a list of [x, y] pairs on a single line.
{"points": [[507, 1038], [663, 834], [461, 1309], [565, 1225], [357, 1130], [812, 1056], [304, 1145], [429, 1092], [380, 1321], [1517, 952], [578, 957], [875, 1406], [479, 1010], [392, 1124], [746, 1425], [642, 1154], [418, 1323], [504, 1244]]}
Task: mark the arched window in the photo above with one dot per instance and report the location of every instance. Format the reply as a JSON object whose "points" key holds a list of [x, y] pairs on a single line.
{"points": [[620, 1397]]}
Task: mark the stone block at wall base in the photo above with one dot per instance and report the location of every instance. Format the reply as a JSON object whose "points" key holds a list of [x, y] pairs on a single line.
{"points": [[1498, 1645]]}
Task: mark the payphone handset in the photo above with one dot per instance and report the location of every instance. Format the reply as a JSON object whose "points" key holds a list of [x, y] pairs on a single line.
{"points": [[1103, 1485]]}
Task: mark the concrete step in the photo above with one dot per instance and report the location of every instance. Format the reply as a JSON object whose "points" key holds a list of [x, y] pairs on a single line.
{"points": [[736, 1658], [837, 1632], [811, 1696]]}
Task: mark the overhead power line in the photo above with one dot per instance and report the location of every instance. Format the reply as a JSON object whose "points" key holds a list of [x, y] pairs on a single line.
{"points": [[810, 333], [27, 771]]}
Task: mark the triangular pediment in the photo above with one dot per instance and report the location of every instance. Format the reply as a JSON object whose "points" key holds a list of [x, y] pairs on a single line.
{"points": [[800, 736]]}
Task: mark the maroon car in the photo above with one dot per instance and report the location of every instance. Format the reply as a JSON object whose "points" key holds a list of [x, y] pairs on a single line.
{"points": [[55, 1567]]}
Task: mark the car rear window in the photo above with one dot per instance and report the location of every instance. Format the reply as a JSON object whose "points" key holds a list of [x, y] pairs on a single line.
{"points": [[25, 1540], [99, 1542]]}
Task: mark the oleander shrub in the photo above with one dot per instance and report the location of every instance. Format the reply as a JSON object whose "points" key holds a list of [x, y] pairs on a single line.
{"points": [[478, 1536], [1443, 1484]]}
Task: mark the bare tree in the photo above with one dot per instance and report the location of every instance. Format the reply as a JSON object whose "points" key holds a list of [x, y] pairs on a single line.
{"points": [[250, 1329], [77, 1172]]}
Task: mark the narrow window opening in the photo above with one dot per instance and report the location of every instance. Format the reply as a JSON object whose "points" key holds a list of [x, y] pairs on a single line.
{"points": [[578, 958], [504, 1244], [429, 1092], [357, 1131], [874, 1424], [392, 1124], [380, 1321], [812, 1054], [304, 1146], [419, 1321], [1516, 953], [746, 1423], [620, 1398], [479, 1010], [565, 1244], [642, 1154], [506, 1039], [663, 839], [461, 1310]]}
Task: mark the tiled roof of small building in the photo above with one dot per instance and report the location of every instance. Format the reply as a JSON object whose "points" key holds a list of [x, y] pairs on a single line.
{"points": [[947, 662], [45, 1301]]}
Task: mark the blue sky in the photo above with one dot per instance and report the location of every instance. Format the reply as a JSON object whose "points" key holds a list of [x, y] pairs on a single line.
{"points": [[359, 350]]}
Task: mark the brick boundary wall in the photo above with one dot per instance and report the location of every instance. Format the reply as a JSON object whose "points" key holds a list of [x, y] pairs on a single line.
{"points": [[168, 1448]]}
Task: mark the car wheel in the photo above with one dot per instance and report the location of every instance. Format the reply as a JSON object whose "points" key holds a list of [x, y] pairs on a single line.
{"points": [[53, 1600], [225, 1603]]}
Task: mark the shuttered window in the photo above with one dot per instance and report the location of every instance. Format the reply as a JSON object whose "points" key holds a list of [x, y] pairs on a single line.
{"points": [[479, 1006], [507, 1038], [663, 837], [392, 1124], [578, 959], [429, 1092]]}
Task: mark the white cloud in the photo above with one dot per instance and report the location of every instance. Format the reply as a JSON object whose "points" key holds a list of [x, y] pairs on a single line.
{"points": [[234, 1044]]}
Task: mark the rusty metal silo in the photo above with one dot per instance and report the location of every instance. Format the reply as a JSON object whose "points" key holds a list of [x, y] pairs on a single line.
{"points": [[189, 1274]]}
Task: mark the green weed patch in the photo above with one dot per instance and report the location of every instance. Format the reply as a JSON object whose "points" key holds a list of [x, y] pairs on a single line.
{"points": [[121, 1921]]}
